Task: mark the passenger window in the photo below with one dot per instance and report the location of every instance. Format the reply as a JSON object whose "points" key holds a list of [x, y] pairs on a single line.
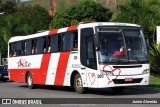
{"points": [[75, 41], [19, 49], [54, 43], [39, 45], [34, 47], [48, 44], [68, 41], [24, 48], [44, 45], [60, 42], [29, 47], [14, 53], [11, 46]]}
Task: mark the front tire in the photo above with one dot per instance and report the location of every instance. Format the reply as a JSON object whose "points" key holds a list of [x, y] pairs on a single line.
{"points": [[78, 84], [30, 81]]}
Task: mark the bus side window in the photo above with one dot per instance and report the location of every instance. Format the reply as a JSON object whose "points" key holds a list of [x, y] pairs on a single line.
{"points": [[66, 41], [19, 48], [48, 44], [39, 45], [75, 45], [44, 45], [70, 41], [34, 48], [60, 42], [29, 47], [90, 53], [11, 49], [87, 51], [24, 48], [54, 43], [14, 51], [75, 41]]}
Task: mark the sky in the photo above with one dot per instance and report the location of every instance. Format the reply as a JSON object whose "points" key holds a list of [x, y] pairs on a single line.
{"points": [[24, 0]]}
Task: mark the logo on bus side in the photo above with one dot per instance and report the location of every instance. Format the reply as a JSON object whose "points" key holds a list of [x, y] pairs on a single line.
{"points": [[23, 63]]}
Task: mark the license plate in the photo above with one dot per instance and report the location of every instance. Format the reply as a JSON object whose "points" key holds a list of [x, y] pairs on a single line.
{"points": [[128, 79]]}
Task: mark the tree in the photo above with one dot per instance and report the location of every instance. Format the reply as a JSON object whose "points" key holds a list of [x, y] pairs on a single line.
{"points": [[143, 12], [154, 54], [8, 6], [85, 10], [26, 20]]}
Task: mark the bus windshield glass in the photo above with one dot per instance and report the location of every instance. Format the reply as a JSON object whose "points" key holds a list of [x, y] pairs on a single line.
{"points": [[121, 45]]}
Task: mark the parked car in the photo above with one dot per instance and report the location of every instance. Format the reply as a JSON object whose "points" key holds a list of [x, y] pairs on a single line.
{"points": [[4, 72]]}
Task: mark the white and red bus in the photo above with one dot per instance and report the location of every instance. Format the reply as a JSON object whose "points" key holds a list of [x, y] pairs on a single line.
{"points": [[88, 55]]}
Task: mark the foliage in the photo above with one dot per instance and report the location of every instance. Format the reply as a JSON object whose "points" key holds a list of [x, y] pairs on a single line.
{"points": [[154, 54], [8, 6], [143, 12], [25, 20], [3, 48], [86, 9], [31, 20]]}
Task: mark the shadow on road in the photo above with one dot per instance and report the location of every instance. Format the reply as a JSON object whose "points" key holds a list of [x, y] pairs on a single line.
{"points": [[6, 81], [128, 91], [104, 91]]}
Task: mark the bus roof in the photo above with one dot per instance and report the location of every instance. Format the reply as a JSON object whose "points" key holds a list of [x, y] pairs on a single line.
{"points": [[70, 28]]}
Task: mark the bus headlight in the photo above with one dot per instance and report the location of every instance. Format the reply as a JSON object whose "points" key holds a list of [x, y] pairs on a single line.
{"points": [[146, 71], [104, 72]]}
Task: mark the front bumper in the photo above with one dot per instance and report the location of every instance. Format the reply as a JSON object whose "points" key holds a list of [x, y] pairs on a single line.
{"points": [[110, 81]]}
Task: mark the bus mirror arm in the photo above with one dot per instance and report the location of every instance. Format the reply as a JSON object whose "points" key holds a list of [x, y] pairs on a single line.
{"points": [[96, 42]]}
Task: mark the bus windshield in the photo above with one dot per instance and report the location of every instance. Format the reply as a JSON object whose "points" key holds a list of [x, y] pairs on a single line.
{"points": [[121, 45]]}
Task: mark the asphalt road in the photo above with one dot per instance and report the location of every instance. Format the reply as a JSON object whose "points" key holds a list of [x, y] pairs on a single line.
{"points": [[20, 90]]}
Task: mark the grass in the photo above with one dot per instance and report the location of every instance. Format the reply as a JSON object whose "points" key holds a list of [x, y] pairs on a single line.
{"points": [[154, 81]]}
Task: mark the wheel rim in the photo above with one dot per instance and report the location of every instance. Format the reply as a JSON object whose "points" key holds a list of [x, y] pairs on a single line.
{"points": [[29, 80], [79, 83]]}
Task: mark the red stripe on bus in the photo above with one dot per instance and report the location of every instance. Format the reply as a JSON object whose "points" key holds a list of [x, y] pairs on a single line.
{"points": [[44, 68], [53, 32], [72, 28], [61, 68], [38, 74]]}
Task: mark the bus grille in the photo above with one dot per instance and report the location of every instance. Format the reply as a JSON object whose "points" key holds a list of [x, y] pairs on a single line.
{"points": [[122, 81]]}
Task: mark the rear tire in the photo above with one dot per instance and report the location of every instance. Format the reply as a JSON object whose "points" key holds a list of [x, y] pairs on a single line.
{"points": [[117, 90], [30, 81], [78, 84]]}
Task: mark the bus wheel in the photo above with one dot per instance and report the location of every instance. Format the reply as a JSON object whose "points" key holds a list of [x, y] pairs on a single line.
{"points": [[30, 81], [78, 84], [117, 90]]}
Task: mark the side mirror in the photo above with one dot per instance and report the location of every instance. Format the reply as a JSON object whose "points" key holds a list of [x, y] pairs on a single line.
{"points": [[96, 42]]}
